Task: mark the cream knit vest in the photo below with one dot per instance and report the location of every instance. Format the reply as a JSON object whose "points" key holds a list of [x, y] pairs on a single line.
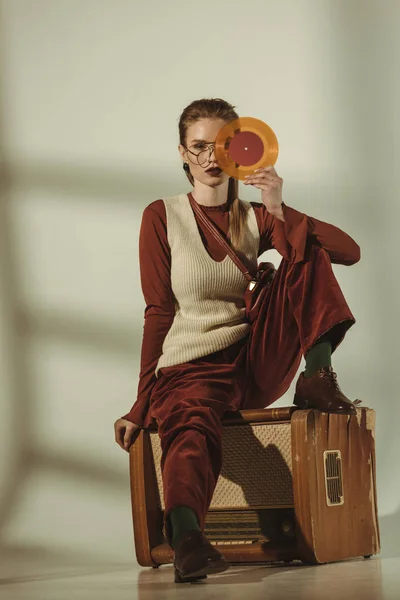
{"points": [[209, 307]]}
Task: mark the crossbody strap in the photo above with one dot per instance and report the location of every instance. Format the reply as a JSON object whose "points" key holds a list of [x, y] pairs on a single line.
{"points": [[210, 226]]}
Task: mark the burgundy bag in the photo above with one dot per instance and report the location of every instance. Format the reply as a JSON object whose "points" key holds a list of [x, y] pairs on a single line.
{"points": [[259, 281]]}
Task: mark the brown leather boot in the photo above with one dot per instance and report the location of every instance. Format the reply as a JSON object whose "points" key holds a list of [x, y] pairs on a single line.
{"points": [[195, 557], [322, 392]]}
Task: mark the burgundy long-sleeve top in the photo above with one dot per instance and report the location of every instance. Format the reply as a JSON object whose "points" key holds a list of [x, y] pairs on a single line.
{"points": [[288, 237]]}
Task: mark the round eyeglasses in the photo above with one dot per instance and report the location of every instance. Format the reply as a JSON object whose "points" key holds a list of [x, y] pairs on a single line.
{"points": [[201, 152]]}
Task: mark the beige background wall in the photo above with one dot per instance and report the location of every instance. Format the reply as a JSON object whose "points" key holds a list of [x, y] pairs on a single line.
{"points": [[90, 97]]}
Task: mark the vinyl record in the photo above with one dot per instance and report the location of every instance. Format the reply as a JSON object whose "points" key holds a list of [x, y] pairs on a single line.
{"points": [[245, 144]]}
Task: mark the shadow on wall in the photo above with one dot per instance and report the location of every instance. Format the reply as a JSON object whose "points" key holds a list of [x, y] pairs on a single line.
{"points": [[14, 384]]}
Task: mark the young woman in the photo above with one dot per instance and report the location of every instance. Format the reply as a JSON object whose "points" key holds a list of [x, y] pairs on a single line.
{"points": [[194, 361]]}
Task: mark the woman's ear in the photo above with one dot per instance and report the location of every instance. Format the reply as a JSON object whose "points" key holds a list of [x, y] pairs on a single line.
{"points": [[182, 151]]}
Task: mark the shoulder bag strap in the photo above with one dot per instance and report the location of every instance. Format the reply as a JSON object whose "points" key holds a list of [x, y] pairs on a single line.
{"points": [[210, 226]]}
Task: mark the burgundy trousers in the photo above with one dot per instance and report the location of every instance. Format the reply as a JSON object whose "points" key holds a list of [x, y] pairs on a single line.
{"points": [[188, 400]]}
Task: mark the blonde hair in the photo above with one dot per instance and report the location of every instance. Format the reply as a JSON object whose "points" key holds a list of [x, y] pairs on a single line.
{"points": [[216, 108]]}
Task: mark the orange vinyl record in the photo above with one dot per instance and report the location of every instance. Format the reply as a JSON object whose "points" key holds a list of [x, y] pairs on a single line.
{"points": [[245, 144]]}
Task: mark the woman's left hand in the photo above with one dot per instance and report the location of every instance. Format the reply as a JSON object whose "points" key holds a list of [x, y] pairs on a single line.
{"points": [[267, 180]]}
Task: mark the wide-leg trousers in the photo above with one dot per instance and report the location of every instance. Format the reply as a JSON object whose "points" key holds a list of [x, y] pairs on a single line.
{"points": [[304, 301]]}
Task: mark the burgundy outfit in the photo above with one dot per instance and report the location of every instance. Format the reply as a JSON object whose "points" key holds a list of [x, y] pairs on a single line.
{"points": [[188, 400]]}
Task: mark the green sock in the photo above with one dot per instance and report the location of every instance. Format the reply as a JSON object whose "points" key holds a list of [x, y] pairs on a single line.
{"points": [[318, 356], [182, 518]]}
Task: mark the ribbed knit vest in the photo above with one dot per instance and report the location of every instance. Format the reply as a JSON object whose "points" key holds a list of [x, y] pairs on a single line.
{"points": [[209, 307]]}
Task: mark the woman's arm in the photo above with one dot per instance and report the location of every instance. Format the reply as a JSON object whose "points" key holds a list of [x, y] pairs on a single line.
{"points": [[155, 276], [289, 237]]}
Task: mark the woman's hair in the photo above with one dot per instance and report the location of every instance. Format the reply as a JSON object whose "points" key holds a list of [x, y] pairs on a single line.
{"points": [[216, 108]]}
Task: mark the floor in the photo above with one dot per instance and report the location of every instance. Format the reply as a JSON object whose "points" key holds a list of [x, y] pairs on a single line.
{"points": [[37, 575]]}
